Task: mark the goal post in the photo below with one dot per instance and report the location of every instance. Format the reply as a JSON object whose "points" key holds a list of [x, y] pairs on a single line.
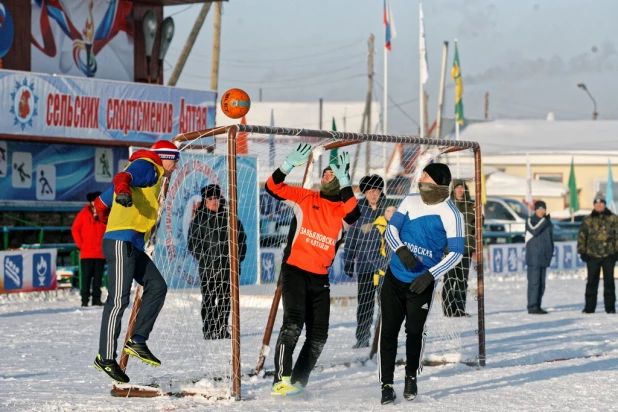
{"points": [[216, 367]]}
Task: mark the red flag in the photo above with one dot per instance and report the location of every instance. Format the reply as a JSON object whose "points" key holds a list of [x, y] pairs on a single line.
{"points": [[242, 145]]}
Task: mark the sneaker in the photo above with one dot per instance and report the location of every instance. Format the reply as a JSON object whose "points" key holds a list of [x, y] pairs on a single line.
{"points": [[112, 369], [284, 388], [98, 303], [410, 389], [141, 351], [388, 395], [84, 305], [538, 311], [587, 311], [361, 344]]}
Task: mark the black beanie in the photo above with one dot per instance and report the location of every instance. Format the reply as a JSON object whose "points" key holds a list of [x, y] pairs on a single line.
{"points": [[539, 204], [439, 172], [371, 182], [92, 196], [211, 190], [324, 171]]}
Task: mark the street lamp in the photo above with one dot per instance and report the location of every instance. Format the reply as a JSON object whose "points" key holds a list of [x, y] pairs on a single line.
{"points": [[150, 31], [594, 113], [167, 33]]}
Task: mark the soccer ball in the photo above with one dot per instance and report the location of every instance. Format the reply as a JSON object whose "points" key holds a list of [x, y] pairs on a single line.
{"points": [[235, 103]]}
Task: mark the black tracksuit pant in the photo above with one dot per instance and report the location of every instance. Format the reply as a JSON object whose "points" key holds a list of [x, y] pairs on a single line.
{"points": [[306, 301], [92, 277], [455, 289], [216, 303], [126, 263], [397, 304], [366, 304], [594, 265]]}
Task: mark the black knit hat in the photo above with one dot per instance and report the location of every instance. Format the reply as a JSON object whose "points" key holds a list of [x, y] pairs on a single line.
{"points": [[439, 172], [539, 204], [371, 182], [92, 196], [211, 190], [328, 168]]}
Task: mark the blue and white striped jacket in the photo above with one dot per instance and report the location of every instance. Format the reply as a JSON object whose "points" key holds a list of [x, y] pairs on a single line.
{"points": [[427, 231]]}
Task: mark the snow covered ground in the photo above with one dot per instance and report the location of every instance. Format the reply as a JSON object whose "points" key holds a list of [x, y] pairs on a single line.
{"points": [[562, 361]]}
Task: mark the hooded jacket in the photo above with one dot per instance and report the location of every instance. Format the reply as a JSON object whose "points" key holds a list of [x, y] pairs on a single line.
{"points": [[88, 234], [208, 239]]}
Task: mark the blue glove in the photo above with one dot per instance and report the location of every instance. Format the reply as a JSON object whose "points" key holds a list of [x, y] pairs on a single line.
{"points": [[341, 170], [422, 282], [299, 156]]}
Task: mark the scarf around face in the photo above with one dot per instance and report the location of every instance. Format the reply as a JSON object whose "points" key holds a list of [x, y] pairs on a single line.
{"points": [[331, 188], [431, 193]]}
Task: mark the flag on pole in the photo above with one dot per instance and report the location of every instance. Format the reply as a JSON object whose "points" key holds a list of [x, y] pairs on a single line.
{"points": [[422, 47], [271, 141], [389, 23], [334, 152], [609, 191], [573, 197], [456, 75], [242, 145], [528, 183]]}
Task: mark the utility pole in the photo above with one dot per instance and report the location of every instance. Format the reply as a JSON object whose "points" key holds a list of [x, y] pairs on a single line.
{"points": [[321, 103], [186, 50], [486, 105], [216, 47]]}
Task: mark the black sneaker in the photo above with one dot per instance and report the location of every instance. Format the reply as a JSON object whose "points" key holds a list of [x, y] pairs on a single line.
{"points": [[98, 303], [112, 369], [84, 304], [388, 395], [141, 351], [410, 389], [538, 312]]}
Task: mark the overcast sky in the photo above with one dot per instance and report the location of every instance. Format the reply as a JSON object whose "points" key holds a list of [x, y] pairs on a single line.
{"points": [[528, 54]]}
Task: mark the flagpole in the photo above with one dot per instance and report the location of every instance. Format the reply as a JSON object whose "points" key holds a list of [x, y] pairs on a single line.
{"points": [[420, 72], [457, 133], [385, 99]]}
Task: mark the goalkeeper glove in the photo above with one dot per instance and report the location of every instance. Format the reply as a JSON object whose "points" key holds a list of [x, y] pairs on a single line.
{"points": [[422, 282], [341, 170], [124, 199], [407, 258], [299, 156]]}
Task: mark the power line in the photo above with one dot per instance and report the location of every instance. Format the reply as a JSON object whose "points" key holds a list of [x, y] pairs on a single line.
{"points": [[398, 105]]}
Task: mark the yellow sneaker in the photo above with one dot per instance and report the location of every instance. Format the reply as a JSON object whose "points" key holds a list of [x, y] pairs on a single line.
{"points": [[284, 388]]}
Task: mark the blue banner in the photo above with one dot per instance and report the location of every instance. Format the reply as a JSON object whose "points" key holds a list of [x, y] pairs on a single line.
{"points": [[511, 258], [71, 107], [195, 171], [37, 171]]}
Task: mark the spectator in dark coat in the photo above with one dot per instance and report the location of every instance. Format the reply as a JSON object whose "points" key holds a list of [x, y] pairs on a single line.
{"points": [[454, 291], [208, 243], [362, 246], [88, 231], [597, 245], [539, 253]]}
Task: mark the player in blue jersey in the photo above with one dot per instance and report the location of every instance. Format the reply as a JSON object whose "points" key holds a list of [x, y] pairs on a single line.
{"points": [[427, 235]]}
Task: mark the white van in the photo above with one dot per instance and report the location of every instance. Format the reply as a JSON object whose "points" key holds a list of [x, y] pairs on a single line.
{"points": [[506, 215]]}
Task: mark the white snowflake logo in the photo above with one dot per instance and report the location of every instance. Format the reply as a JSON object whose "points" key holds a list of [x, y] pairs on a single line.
{"points": [[24, 104]]}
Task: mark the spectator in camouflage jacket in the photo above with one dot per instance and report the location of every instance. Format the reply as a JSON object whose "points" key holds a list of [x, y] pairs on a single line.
{"points": [[597, 245], [455, 286]]}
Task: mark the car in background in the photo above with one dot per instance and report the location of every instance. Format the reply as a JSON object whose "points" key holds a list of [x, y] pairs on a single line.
{"points": [[504, 215]]}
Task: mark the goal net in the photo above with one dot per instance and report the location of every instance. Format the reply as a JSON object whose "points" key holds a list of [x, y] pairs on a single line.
{"points": [[220, 242]]}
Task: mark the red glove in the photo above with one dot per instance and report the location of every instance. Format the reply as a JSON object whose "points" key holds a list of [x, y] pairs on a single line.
{"points": [[122, 183], [102, 210]]}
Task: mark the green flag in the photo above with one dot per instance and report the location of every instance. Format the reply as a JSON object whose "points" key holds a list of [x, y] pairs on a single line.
{"points": [[574, 198], [456, 75], [333, 153]]}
